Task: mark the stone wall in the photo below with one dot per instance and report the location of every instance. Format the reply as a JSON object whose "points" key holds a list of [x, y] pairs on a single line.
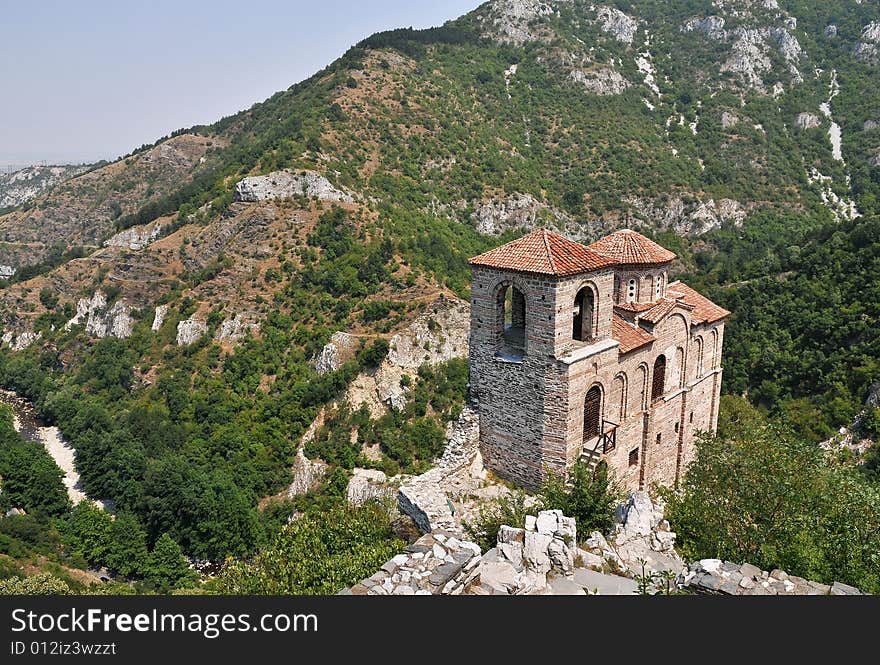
{"points": [[438, 563], [713, 576]]}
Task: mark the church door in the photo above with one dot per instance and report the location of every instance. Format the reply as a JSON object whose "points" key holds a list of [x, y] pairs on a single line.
{"points": [[592, 413]]}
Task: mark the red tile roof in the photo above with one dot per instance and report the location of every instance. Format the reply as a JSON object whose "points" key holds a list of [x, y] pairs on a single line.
{"points": [[631, 248], [705, 311], [661, 309], [543, 252], [630, 337]]}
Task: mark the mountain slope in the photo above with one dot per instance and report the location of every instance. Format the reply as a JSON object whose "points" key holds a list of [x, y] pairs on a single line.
{"points": [[198, 309]]}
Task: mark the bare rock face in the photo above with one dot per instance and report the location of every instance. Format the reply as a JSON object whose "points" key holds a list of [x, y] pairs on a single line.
{"points": [[6, 272], [729, 120], [20, 341], [687, 219], [875, 160], [602, 81], [159, 317], [100, 321], [807, 121], [870, 125], [865, 52], [616, 23], [190, 331], [438, 335], [237, 328], [510, 21], [367, 485], [306, 474], [712, 26], [25, 184], [515, 212], [135, 238], [332, 355], [287, 184], [871, 33], [830, 31]]}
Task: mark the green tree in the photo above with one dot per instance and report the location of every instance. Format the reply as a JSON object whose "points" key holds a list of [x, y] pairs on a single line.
{"points": [[317, 554], [127, 554], [588, 495], [166, 567]]}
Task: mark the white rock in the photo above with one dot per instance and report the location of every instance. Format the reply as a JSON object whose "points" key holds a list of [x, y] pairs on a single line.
{"points": [[287, 184], [159, 317], [190, 331], [602, 81], [807, 121]]}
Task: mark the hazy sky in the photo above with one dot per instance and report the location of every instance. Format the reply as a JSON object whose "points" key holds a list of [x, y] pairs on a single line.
{"points": [[93, 79]]}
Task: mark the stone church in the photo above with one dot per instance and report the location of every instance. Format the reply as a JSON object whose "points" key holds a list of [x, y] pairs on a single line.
{"points": [[588, 351]]}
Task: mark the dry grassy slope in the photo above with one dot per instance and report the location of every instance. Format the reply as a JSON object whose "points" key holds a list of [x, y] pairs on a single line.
{"points": [[82, 210]]}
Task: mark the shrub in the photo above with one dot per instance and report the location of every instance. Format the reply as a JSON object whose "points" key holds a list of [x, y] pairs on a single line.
{"points": [[588, 495]]}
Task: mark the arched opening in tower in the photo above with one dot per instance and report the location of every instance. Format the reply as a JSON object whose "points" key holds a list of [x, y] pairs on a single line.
{"points": [[593, 413], [584, 305], [512, 305]]}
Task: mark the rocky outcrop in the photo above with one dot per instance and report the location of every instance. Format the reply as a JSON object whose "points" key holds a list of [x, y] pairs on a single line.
{"points": [[517, 211], [340, 348], [712, 26], [870, 125], [729, 120], [159, 317], [438, 563], [526, 559], [135, 238], [871, 32], [716, 577], [19, 341], [864, 52], [424, 498], [306, 474], [690, 219], [601, 81], [101, 321], [6, 272], [510, 21], [616, 23], [807, 121], [437, 335], [237, 328], [190, 331], [287, 184], [830, 31], [368, 485], [23, 185]]}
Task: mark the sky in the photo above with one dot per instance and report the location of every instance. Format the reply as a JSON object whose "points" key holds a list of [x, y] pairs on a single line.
{"points": [[95, 79]]}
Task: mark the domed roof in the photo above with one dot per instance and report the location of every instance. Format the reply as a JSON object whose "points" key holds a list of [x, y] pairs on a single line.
{"points": [[628, 247]]}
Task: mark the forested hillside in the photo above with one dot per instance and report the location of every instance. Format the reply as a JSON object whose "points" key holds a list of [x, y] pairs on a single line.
{"points": [[711, 126]]}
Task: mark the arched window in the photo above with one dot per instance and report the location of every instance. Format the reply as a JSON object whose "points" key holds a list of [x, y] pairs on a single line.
{"points": [[631, 290], [641, 397], [511, 321], [593, 413], [658, 287], [715, 359], [699, 348], [657, 387], [618, 399], [584, 307], [679, 367]]}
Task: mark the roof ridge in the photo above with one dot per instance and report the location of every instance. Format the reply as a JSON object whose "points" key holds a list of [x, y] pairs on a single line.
{"points": [[547, 247]]}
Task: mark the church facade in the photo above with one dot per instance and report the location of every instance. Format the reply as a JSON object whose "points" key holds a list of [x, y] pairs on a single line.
{"points": [[589, 352]]}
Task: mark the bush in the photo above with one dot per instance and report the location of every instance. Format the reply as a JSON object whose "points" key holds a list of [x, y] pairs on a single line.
{"points": [[769, 498], [42, 584], [588, 495], [503, 511]]}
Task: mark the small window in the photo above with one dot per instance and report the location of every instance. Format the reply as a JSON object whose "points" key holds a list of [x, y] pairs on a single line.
{"points": [[631, 291], [658, 287], [659, 439], [657, 387], [634, 457], [676, 428], [692, 417]]}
